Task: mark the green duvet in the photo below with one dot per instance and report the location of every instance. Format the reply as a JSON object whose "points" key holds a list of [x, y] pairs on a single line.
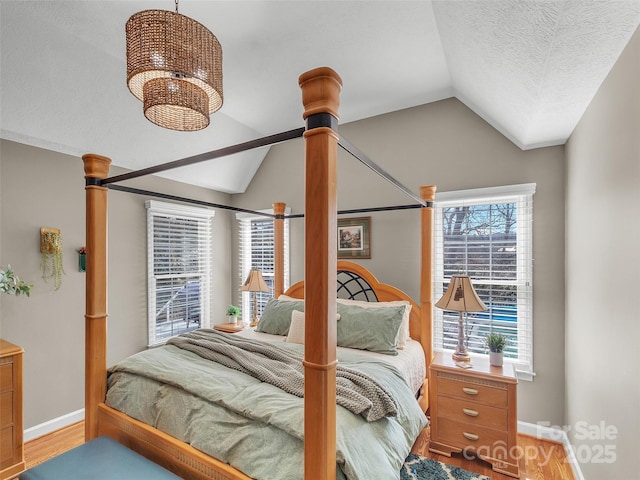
{"points": [[254, 426]]}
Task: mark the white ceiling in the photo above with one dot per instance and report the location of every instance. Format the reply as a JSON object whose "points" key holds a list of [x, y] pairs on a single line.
{"points": [[529, 68]]}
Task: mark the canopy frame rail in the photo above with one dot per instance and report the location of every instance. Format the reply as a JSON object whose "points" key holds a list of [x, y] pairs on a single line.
{"points": [[312, 122], [372, 209], [203, 203], [365, 160], [203, 157], [345, 144]]}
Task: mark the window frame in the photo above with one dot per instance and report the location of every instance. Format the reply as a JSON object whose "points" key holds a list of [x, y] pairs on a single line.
{"points": [[246, 263], [204, 237], [522, 195]]}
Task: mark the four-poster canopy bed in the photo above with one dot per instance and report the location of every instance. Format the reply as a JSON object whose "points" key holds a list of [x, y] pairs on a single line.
{"points": [[320, 95]]}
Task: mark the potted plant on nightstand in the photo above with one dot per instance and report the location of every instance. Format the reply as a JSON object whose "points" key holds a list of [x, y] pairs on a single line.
{"points": [[496, 343], [232, 313]]}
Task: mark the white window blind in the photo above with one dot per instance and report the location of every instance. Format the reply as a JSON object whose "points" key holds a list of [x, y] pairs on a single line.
{"points": [[179, 269], [256, 251], [487, 234]]}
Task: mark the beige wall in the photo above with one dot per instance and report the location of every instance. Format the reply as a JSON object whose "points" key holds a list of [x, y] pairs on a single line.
{"points": [[602, 265], [42, 188], [446, 144]]}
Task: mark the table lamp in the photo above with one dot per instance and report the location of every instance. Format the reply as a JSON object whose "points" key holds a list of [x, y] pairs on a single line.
{"points": [[461, 297], [255, 283]]}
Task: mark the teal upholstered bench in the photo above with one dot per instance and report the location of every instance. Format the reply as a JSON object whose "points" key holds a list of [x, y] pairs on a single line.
{"points": [[99, 459]]}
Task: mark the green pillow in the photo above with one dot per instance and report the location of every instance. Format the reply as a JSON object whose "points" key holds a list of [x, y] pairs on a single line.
{"points": [[374, 329], [276, 317]]}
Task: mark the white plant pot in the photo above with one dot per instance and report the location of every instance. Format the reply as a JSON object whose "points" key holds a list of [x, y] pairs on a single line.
{"points": [[233, 320], [496, 358]]}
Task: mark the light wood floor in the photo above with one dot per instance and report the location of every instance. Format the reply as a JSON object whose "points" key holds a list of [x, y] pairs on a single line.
{"points": [[541, 459], [48, 446], [531, 468]]}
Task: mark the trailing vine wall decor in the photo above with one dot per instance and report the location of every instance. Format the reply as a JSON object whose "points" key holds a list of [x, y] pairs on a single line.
{"points": [[51, 249]]}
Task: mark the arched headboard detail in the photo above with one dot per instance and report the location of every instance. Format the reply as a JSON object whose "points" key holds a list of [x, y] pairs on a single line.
{"points": [[353, 287]]}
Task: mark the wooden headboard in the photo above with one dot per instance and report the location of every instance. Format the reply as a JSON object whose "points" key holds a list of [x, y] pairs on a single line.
{"points": [[370, 289]]}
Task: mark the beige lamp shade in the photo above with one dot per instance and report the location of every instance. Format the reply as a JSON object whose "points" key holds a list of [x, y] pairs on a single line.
{"points": [[461, 296], [174, 66], [254, 283]]}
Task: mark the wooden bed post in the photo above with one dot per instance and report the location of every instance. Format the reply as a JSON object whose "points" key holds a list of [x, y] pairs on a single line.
{"points": [[278, 247], [321, 99], [96, 168], [428, 194]]}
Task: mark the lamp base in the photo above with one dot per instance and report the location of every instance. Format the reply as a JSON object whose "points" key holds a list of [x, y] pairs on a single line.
{"points": [[461, 357], [461, 354], [254, 322]]}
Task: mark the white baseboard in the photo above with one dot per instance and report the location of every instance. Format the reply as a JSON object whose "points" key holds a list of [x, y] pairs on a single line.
{"points": [[555, 435], [53, 425]]}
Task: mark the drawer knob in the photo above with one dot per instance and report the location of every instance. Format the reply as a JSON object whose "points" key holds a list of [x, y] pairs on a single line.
{"points": [[469, 412], [470, 436], [470, 391]]}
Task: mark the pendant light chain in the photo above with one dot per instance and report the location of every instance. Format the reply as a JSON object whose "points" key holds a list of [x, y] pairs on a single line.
{"points": [[176, 6]]}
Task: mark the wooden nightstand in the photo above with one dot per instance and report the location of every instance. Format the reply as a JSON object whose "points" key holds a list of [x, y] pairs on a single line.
{"points": [[474, 410], [11, 426], [229, 327]]}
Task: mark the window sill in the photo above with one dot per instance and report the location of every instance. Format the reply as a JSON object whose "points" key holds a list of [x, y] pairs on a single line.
{"points": [[525, 375]]}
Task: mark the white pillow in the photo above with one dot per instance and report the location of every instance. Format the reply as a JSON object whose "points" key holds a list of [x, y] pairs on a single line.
{"points": [[404, 326], [296, 329], [288, 298]]}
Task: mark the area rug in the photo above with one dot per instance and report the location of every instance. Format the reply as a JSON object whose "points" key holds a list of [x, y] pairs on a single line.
{"points": [[421, 468]]}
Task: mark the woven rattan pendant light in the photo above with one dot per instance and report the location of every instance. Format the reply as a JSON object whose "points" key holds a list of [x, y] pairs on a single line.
{"points": [[174, 66]]}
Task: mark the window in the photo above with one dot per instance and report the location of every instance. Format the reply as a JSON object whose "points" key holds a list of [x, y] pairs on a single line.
{"points": [[179, 269], [487, 234], [256, 251]]}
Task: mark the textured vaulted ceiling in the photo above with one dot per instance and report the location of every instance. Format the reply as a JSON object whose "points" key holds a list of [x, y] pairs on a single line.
{"points": [[529, 68]]}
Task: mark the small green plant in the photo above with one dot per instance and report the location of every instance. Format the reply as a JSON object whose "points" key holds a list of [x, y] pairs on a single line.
{"points": [[11, 284], [233, 311], [496, 342]]}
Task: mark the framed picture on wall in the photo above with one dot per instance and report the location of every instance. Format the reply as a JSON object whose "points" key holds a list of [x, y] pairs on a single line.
{"points": [[354, 237]]}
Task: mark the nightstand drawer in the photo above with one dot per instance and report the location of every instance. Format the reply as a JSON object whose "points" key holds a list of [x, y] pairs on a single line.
{"points": [[472, 413], [482, 391], [464, 435]]}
